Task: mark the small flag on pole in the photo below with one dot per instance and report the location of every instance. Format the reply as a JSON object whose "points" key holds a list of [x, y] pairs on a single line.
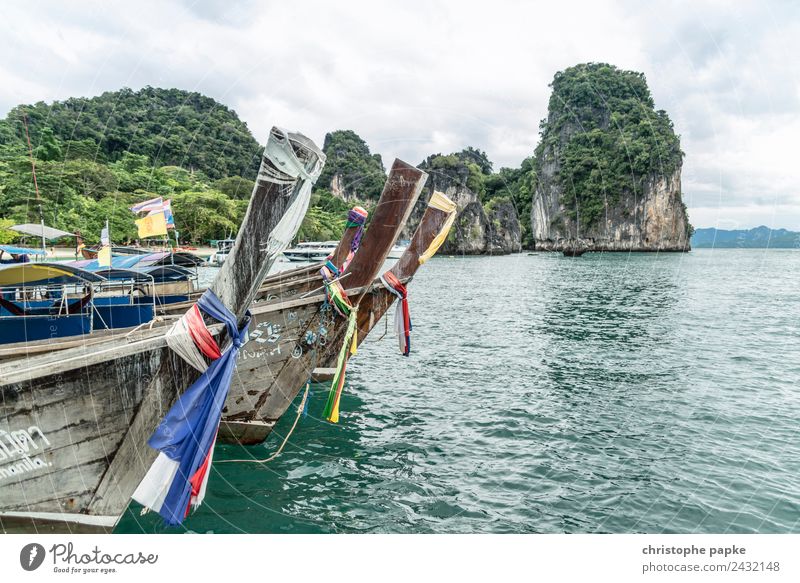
{"points": [[166, 208], [152, 225], [154, 204]]}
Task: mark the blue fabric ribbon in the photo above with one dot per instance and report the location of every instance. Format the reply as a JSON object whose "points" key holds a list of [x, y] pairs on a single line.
{"points": [[187, 432]]}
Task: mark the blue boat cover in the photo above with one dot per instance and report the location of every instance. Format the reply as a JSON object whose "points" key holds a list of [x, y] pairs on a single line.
{"points": [[21, 250]]}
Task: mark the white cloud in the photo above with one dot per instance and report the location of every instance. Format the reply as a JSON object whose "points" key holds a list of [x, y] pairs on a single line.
{"points": [[422, 77]]}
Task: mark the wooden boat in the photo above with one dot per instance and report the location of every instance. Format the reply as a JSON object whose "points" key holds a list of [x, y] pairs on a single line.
{"points": [[430, 235], [310, 251], [74, 423], [14, 254], [292, 337], [287, 380], [223, 247], [34, 301], [44, 304]]}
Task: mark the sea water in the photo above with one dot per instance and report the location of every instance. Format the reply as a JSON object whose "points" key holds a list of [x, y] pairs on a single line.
{"points": [[546, 394]]}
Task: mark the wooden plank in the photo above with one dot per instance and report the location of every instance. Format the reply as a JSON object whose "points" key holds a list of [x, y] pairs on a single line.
{"points": [[322, 374]]}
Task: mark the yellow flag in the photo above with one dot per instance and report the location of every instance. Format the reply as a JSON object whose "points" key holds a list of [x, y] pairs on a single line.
{"points": [[104, 256], [152, 225]]}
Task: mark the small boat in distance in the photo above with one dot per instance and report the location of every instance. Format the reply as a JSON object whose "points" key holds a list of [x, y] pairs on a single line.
{"points": [[222, 252], [311, 251], [398, 249]]}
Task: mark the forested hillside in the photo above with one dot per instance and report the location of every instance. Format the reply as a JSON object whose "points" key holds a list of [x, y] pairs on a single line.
{"points": [[96, 157]]}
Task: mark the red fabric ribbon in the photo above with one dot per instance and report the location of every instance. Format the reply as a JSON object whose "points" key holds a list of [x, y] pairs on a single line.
{"points": [[404, 325], [200, 334]]}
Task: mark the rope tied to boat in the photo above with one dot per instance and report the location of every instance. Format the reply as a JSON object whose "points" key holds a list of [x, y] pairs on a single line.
{"points": [[402, 315], [440, 202], [338, 299], [301, 410], [329, 272], [177, 480]]}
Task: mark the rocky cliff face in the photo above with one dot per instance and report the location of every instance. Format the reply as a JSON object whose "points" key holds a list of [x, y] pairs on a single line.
{"points": [[608, 168], [504, 233], [651, 220], [475, 231]]}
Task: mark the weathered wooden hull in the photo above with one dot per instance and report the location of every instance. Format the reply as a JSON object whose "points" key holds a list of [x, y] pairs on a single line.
{"points": [[74, 424], [283, 349], [268, 382], [372, 307]]}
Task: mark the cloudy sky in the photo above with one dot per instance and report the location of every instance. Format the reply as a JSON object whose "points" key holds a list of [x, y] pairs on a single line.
{"points": [[419, 78]]}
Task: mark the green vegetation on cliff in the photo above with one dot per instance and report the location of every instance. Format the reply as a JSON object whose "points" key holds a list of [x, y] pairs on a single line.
{"points": [[472, 168], [518, 185], [361, 174], [179, 145], [170, 127], [606, 137]]}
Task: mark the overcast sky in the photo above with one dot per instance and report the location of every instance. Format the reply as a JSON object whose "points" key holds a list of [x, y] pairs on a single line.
{"points": [[419, 78]]}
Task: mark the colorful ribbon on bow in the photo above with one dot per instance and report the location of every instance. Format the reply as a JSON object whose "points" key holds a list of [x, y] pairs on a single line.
{"points": [[185, 437], [340, 302], [402, 315], [441, 202], [357, 217]]}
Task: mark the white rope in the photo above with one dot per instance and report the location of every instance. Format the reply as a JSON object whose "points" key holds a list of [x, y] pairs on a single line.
{"points": [[285, 439]]}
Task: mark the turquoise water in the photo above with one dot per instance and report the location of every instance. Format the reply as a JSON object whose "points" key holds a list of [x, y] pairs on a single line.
{"points": [[607, 393]]}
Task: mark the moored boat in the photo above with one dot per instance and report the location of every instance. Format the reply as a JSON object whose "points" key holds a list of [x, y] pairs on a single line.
{"points": [[15, 254], [288, 333], [310, 251], [397, 250], [223, 248], [372, 301], [74, 423]]}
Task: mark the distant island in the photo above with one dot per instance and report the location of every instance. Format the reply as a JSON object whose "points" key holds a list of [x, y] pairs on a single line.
{"points": [[607, 167], [759, 238]]}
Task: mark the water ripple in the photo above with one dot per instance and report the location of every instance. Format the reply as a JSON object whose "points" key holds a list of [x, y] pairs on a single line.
{"points": [[610, 393]]}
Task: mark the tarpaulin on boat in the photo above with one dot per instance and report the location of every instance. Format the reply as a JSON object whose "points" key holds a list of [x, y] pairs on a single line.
{"points": [[121, 261], [164, 273], [41, 231], [117, 274], [25, 274]]}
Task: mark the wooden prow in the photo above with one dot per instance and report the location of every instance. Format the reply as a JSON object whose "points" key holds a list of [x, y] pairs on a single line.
{"points": [[429, 227], [251, 399], [97, 461], [255, 247], [400, 194]]}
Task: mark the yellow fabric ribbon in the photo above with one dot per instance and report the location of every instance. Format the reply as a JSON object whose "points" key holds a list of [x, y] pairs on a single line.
{"points": [[441, 202]]}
